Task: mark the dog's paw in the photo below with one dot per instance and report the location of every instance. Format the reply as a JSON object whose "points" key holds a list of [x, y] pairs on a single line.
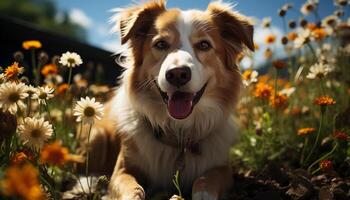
{"points": [[204, 195], [136, 194]]}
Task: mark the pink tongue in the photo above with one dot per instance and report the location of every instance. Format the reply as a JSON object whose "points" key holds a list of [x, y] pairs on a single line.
{"points": [[180, 105]]}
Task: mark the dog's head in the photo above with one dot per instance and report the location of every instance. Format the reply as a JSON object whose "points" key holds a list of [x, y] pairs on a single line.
{"points": [[184, 62]]}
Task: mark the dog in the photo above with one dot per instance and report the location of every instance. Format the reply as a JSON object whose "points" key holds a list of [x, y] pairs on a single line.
{"points": [[173, 110]]}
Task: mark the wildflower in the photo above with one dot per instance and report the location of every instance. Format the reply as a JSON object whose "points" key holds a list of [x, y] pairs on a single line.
{"points": [[330, 21], [318, 70], [31, 44], [302, 39], [305, 131], [284, 40], [53, 79], [62, 89], [263, 91], [324, 101], [341, 2], [340, 135], [19, 158], [278, 101], [319, 34], [292, 36], [307, 8], [18, 56], [311, 26], [23, 182], [2, 78], [292, 24], [287, 6], [266, 22], [326, 165], [55, 154], [49, 69], [43, 94], [282, 12], [70, 59], [303, 22], [34, 132], [11, 96], [256, 47], [249, 77], [87, 110], [30, 90], [279, 64], [56, 115], [13, 71], [268, 53], [270, 39], [288, 91]]}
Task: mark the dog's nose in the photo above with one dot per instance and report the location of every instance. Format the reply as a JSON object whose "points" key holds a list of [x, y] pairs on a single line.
{"points": [[178, 76]]}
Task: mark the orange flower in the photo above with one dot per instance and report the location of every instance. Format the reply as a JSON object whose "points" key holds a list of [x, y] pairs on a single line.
{"points": [[340, 135], [19, 158], [324, 101], [319, 34], [55, 154], [311, 26], [23, 182], [268, 53], [62, 88], [49, 69], [305, 131], [278, 101], [263, 91], [31, 44], [13, 71], [256, 47], [270, 39], [326, 165], [292, 36], [279, 64]]}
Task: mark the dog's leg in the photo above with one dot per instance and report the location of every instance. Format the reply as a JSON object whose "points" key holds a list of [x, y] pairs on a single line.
{"points": [[123, 185], [212, 184]]}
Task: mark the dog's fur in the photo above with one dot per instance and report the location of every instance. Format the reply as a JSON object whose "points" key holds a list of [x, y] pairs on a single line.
{"points": [[137, 111]]}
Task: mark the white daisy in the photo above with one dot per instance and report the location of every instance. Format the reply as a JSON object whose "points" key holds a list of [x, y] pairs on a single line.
{"points": [[43, 94], [70, 59], [30, 90], [307, 8], [2, 78], [340, 2], [318, 70], [250, 77], [330, 21], [12, 96], [87, 110], [53, 79], [288, 91], [302, 39], [34, 132], [266, 22]]}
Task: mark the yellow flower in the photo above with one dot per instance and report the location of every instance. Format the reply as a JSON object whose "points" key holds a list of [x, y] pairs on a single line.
{"points": [[263, 91], [31, 44], [278, 101], [270, 39], [268, 53], [319, 34], [256, 47], [13, 71], [62, 89], [55, 154], [292, 36], [305, 131], [326, 165], [22, 182], [324, 101], [49, 69]]}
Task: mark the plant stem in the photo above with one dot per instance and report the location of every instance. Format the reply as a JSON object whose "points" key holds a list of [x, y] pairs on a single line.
{"points": [[322, 158], [50, 119], [303, 151], [87, 158], [312, 50], [317, 138], [34, 71]]}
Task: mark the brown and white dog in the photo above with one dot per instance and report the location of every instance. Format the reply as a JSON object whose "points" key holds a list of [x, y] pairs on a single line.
{"points": [[174, 107]]}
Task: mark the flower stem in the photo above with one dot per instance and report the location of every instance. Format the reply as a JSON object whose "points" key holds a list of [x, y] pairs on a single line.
{"points": [[322, 158], [87, 158], [312, 50], [50, 119], [303, 151], [34, 71], [317, 138]]}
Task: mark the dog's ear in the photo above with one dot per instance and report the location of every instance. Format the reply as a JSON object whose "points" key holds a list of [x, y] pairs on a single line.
{"points": [[233, 27], [136, 21]]}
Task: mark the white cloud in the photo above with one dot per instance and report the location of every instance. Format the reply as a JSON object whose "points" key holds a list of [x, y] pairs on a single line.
{"points": [[79, 17]]}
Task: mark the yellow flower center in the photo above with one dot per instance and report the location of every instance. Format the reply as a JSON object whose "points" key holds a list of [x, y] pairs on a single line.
{"points": [[89, 111], [42, 95], [36, 133], [14, 97], [71, 61]]}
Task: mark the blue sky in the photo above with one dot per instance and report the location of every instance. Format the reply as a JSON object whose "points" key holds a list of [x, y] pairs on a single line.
{"points": [[94, 15]]}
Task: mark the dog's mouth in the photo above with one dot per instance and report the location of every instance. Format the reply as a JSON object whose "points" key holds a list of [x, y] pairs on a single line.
{"points": [[180, 104]]}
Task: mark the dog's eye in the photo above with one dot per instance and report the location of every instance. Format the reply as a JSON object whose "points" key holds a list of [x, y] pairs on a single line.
{"points": [[161, 45], [203, 45]]}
